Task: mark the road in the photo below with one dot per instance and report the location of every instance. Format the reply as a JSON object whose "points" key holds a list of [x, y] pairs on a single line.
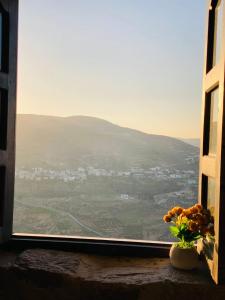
{"points": [[65, 213]]}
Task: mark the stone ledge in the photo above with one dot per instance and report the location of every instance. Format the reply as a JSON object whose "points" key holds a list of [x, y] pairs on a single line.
{"points": [[49, 274]]}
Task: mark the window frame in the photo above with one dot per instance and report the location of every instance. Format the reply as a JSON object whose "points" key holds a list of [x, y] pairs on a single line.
{"points": [[8, 87], [105, 246], [213, 165]]}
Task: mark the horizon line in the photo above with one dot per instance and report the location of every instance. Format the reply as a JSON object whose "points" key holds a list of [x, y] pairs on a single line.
{"points": [[99, 118]]}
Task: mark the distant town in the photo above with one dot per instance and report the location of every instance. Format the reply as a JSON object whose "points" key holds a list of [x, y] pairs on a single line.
{"points": [[81, 174]]}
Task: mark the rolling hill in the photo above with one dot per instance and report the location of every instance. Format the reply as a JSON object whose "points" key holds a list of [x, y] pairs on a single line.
{"points": [[64, 200], [71, 142]]}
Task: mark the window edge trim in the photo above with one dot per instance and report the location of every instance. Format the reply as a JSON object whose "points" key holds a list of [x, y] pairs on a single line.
{"points": [[90, 245]]}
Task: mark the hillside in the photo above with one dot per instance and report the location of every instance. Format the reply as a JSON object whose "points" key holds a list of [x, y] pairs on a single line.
{"points": [[84, 176], [47, 141]]}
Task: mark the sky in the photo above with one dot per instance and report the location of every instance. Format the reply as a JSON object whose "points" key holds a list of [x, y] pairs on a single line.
{"points": [[135, 63]]}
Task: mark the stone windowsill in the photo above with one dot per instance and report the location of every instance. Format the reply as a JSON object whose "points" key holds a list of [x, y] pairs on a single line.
{"points": [[49, 274]]}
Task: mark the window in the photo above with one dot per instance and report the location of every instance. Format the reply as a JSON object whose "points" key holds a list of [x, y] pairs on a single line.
{"points": [[211, 189], [111, 152], [42, 209]]}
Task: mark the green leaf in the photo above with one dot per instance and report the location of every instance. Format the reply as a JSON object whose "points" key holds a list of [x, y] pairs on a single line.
{"points": [[183, 227], [174, 231]]}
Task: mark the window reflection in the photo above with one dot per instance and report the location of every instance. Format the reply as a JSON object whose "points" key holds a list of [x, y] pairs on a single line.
{"points": [[218, 33], [214, 108], [211, 194]]}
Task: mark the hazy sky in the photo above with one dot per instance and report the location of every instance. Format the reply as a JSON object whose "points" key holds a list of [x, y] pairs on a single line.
{"points": [[132, 62]]}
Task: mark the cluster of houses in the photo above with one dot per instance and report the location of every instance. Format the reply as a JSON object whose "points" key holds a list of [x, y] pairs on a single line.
{"points": [[81, 173]]}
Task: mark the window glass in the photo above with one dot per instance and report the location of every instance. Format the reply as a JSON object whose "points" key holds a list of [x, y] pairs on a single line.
{"points": [[1, 44], [109, 97], [214, 108], [3, 118], [211, 194], [218, 32]]}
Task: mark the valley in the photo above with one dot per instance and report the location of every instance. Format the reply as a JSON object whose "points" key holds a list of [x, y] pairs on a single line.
{"points": [[83, 176]]}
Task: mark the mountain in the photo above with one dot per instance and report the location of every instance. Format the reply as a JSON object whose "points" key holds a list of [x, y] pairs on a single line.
{"points": [[81, 141], [61, 200]]}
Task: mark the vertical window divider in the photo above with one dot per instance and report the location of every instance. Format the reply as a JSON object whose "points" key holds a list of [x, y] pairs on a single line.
{"points": [[8, 81]]}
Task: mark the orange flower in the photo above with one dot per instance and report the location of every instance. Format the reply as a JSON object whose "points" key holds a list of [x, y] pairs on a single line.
{"points": [[194, 210], [199, 207], [166, 218], [182, 215], [170, 213], [174, 210], [200, 219], [193, 226], [179, 210], [187, 212]]}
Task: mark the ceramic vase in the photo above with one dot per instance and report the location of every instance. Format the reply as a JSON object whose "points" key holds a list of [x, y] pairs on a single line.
{"points": [[184, 258]]}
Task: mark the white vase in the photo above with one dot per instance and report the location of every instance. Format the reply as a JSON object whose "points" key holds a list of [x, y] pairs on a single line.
{"points": [[184, 258]]}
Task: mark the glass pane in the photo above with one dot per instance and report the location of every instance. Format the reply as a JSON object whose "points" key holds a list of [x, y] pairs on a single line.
{"points": [[3, 118], [108, 116], [211, 194], [2, 196], [1, 42], [218, 33], [214, 109]]}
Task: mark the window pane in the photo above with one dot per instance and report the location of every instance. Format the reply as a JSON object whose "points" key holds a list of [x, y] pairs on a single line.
{"points": [[211, 194], [218, 33], [2, 193], [3, 118], [108, 116], [1, 42], [214, 108]]}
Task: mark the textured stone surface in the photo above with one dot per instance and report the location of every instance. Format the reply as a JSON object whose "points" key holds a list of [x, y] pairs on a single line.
{"points": [[45, 274]]}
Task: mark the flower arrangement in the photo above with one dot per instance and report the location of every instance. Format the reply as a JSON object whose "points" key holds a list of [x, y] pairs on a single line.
{"points": [[190, 224]]}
